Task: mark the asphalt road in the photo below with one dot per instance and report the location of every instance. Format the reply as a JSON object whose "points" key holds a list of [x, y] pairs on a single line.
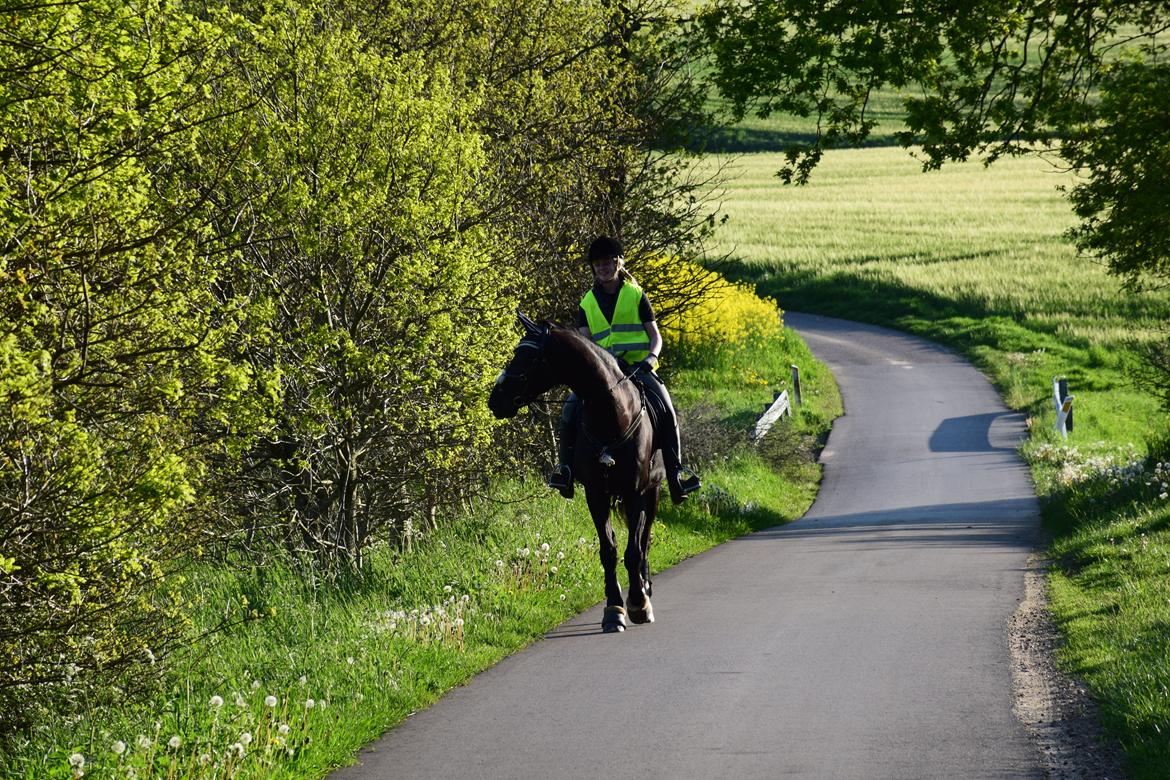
{"points": [[866, 640]]}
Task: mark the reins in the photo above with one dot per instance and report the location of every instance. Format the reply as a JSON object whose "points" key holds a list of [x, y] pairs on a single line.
{"points": [[604, 456]]}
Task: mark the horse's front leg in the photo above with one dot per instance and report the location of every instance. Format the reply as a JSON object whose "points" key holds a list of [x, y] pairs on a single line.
{"points": [[615, 611], [635, 560], [652, 496]]}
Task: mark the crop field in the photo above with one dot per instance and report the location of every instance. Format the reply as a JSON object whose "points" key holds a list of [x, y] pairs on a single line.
{"points": [[986, 240]]}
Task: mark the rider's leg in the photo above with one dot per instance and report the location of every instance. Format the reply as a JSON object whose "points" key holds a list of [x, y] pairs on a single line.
{"points": [[668, 440], [561, 477]]}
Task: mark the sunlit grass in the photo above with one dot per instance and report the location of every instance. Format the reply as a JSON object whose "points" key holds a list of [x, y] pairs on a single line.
{"points": [[1111, 587]]}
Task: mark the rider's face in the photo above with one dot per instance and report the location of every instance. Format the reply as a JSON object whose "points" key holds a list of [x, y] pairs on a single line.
{"points": [[606, 269]]}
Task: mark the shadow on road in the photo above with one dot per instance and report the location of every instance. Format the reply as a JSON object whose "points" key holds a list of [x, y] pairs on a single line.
{"points": [[1011, 522], [972, 433]]}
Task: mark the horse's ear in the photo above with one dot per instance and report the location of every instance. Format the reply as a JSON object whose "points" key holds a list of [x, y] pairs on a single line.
{"points": [[531, 327]]}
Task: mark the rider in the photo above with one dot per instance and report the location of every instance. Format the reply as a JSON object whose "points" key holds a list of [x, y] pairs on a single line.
{"points": [[617, 316]]}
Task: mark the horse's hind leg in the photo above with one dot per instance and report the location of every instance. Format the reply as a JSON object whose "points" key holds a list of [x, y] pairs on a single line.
{"points": [[635, 560], [615, 611]]}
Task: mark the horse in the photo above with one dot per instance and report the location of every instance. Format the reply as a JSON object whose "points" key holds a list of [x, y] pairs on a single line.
{"points": [[616, 460]]}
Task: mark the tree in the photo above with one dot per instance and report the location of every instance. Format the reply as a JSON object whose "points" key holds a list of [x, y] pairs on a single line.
{"points": [[1086, 79], [111, 343], [352, 222]]}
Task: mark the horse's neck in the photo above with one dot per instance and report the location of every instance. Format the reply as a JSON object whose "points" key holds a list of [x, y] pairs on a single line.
{"points": [[608, 399]]}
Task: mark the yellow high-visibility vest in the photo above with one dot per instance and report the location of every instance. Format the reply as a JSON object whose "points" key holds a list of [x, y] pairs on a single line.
{"points": [[625, 338]]}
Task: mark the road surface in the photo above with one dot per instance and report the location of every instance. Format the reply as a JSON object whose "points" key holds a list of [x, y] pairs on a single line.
{"points": [[866, 640]]}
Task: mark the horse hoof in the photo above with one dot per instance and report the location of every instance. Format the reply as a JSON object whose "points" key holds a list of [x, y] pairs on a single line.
{"points": [[614, 620], [643, 615]]}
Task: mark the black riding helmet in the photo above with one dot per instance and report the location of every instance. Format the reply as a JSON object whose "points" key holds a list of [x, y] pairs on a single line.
{"points": [[603, 248]]}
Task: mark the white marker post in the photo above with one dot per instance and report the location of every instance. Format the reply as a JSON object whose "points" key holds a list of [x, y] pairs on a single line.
{"points": [[1064, 405], [772, 413]]}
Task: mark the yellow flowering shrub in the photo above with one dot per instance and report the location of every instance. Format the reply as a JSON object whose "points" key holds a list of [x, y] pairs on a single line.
{"points": [[725, 313]]}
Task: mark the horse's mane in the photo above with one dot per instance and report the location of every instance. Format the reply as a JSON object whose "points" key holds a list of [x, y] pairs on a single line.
{"points": [[573, 339]]}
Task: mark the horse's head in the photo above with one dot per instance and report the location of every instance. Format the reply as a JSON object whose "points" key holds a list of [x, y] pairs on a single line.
{"points": [[526, 376]]}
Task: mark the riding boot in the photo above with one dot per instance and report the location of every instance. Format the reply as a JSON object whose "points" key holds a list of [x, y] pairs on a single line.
{"points": [[561, 477], [668, 441], [679, 486]]}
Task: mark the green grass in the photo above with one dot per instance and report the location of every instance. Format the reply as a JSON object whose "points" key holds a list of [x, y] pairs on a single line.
{"points": [[975, 258], [371, 650]]}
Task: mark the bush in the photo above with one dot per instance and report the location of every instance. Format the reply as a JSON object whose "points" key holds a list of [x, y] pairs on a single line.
{"points": [[719, 314]]}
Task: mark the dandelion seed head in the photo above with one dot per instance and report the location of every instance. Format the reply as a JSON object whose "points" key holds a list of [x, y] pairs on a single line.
{"points": [[465, 598], [270, 701], [174, 742], [143, 741], [118, 747], [446, 588], [255, 685], [349, 660], [304, 680], [499, 564], [283, 729], [77, 760], [205, 759], [246, 738], [239, 749], [309, 704], [544, 547], [216, 701]]}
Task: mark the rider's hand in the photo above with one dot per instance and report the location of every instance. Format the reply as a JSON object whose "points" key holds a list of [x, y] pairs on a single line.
{"points": [[648, 365]]}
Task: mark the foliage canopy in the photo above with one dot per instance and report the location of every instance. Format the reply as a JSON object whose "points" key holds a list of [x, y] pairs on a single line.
{"points": [[992, 77]]}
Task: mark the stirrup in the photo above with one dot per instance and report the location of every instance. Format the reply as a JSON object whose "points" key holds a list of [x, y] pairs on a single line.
{"points": [[561, 479], [681, 488]]}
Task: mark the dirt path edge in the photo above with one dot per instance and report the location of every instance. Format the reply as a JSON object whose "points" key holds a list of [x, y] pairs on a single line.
{"points": [[1060, 717]]}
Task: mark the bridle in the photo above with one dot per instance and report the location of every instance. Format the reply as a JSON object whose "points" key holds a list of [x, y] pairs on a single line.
{"points": [[525, 397]]}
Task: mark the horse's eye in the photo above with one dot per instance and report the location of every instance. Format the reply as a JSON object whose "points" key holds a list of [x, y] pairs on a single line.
{"points": [[500, 378]]}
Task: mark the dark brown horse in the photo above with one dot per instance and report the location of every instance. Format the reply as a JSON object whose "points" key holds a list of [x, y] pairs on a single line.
{"points": [[616, 460]]}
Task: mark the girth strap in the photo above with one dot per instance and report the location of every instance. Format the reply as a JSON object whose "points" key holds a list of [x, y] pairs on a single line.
{"points": [[604, 456]]}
